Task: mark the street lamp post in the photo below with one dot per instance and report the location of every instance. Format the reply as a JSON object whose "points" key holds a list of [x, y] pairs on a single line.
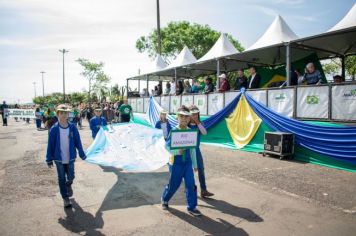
{"points": [[42, 72], [64, 87], [34, 88], [158, 29]]}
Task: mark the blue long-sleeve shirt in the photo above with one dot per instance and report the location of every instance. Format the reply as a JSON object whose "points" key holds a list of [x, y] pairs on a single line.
{"points": [[95, 124], [54, 145]]}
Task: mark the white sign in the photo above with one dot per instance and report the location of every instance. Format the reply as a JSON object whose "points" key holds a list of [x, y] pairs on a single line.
{"points": [[21, 113], [313, 102], [165, 102], [139, 105], [175, 104], [281, 101], [344, 102], [183, 139], [215, 103], [259, 96], [134, 104], [229, 96], [201, 102], [146, 103], [187, 100]]}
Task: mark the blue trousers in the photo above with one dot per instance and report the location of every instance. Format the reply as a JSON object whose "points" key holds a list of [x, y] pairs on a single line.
{"points": [[65, 177], [201, 172], [38, 123], [179, 170]]}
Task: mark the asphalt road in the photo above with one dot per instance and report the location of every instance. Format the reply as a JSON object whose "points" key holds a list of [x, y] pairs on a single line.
{"points": [[254, 195]]}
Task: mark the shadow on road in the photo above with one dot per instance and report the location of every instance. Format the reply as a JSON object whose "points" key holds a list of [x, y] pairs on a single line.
{"points": [[77, 220], [229, 209], [208, 225]]}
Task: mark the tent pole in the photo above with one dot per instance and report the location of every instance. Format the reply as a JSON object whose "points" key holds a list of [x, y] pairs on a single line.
{"points": [[343, 68], [127, 88], [217, 74], [147, 86], [288, 64]]}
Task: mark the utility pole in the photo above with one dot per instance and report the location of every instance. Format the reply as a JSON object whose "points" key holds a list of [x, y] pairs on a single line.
{"points": [[34, 88], [64, 86], [42, 72], [158, 30]]}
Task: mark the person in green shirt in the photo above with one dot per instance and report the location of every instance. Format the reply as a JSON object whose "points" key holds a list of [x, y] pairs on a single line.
{"points": [[125, 112]]}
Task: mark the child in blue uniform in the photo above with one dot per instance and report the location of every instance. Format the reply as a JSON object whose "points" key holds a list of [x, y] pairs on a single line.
{"points": [[182, 167], [163, 124], [63, 141], [96, 122], [195, 124]]}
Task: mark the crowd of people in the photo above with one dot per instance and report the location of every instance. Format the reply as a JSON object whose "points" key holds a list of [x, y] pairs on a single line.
{"points": [[311, 76]]}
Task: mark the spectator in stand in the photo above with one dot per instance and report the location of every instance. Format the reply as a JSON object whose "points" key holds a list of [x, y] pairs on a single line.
{"points": [[337, 79], [155, 91], [209, 87], [293, 77], [187, 87], [312, 76], [224, 85], [241, 80], [159, 89], [173, 87], [254, 80], [180, 88], [167, 90], [195, 86]]}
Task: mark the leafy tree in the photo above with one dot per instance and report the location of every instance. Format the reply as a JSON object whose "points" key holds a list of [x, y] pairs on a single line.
{"points": [[334, 66], [198, 38], [95, 75]]}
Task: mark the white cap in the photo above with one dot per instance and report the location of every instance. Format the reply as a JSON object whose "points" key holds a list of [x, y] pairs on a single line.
{"points": [[223, 76], [184, 113]]}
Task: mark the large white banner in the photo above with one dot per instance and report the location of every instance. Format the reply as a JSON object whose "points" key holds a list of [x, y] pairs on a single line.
{"points": [[175, 104], [201, 101], [313, 102], [165, 102], [134, 104], [259, 96], [215, 103], [187, 100], [281, 101], [139, 105], [21, 113], [229, 96], [344, 102], [146, 102]]}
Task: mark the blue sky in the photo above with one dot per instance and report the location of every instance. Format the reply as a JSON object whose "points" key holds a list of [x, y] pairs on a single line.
{"points": [[32, 32]]}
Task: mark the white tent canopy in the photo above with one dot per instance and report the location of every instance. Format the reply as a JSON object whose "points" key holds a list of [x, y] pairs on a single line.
{"points": [[185, 57], [222, 47], [348, 21], [157, 64], [277, 32]]}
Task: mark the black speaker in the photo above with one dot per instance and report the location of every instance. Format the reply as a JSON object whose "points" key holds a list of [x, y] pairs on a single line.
{"points": [[279, 143]]}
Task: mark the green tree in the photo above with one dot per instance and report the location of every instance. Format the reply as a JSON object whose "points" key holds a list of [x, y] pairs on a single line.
{"points": [[95, 75], [334, 66], [198, 38]]}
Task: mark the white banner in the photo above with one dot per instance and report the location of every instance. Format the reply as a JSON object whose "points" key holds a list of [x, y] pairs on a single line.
{"points": [[146, 102], [229, 96], [313, 102], [139, 105], [281, 101], [175, 104], [134, 104], [259, 96], [201, 102], [344, 102], [187, 100], [21, 113], [215, 103], [165, 102]]}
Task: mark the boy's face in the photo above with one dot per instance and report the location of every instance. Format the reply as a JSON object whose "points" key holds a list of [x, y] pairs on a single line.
{"points": [[97, 113], [163, 116], [62, 115], [183, 120], [195, 116]]}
